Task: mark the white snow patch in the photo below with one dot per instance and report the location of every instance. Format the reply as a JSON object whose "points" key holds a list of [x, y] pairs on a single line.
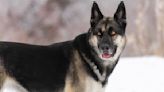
{"points": [[138, 74]]}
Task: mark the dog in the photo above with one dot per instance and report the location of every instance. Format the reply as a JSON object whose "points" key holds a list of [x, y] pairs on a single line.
{"points": [[80, 65]]}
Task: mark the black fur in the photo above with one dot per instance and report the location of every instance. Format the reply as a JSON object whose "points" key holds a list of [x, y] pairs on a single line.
{"points": [[37, 67], [96, 15], [120, 15]]}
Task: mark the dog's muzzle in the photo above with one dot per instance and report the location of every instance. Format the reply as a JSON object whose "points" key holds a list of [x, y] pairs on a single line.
{"points": [[107, 51]]}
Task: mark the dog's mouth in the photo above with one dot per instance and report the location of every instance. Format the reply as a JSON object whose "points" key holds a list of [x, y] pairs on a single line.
{"points": [[106, 55]]}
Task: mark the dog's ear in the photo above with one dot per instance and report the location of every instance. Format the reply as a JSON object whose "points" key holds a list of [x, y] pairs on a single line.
{"points": [[120, 15], [96, 14]]}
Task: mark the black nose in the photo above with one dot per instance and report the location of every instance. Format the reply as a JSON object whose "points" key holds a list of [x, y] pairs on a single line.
{"points": [[105, 47]]}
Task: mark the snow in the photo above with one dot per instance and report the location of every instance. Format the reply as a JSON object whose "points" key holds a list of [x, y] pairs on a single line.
{"points": [[137, 74]]}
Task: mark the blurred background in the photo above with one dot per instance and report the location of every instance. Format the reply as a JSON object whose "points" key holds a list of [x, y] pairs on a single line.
{"points": [[47, 21]]}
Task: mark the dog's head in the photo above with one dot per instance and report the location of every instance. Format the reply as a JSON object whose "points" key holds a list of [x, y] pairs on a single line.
{"points": [[107, 34]]}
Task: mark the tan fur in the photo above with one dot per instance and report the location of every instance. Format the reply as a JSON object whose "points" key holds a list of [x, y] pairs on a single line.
{"points": [[103, 28], [120, 41], [2, 76], [75, 75], [78, 80], [11, 85], [7, 83], [93, 41], [2, 73]]}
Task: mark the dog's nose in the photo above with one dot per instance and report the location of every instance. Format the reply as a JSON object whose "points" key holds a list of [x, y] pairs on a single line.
{"points": [[105, 47]]}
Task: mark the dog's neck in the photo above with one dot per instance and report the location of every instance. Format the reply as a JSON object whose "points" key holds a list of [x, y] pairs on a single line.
{"points": [[101, 76], [97, 69]]}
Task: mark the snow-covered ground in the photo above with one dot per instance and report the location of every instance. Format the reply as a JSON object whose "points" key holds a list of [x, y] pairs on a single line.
{"points": [[139, 74]]}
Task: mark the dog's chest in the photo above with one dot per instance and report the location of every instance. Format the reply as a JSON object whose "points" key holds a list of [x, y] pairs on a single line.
{"points": [[78, 80], [85, 84], [92, 86]]}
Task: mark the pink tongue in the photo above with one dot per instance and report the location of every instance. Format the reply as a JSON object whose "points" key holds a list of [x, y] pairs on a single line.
{"points": [[106, 55]]}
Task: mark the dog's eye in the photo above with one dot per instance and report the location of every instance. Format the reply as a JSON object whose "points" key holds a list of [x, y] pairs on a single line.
{"points": [[113, 33], [99, 33]]}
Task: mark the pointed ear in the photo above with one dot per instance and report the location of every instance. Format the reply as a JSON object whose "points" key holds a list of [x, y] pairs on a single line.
{"points": [[96, 14], [120, 15]]}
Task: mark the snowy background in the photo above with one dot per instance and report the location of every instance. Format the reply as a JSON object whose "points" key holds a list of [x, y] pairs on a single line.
{"points": [[138, 74], [43, 22]]}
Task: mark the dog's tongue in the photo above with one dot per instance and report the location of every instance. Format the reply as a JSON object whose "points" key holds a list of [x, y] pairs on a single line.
{"points": [[106, 55]]}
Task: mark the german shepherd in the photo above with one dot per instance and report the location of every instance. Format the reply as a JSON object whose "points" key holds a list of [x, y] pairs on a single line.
{"points": [[80, 65]]}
